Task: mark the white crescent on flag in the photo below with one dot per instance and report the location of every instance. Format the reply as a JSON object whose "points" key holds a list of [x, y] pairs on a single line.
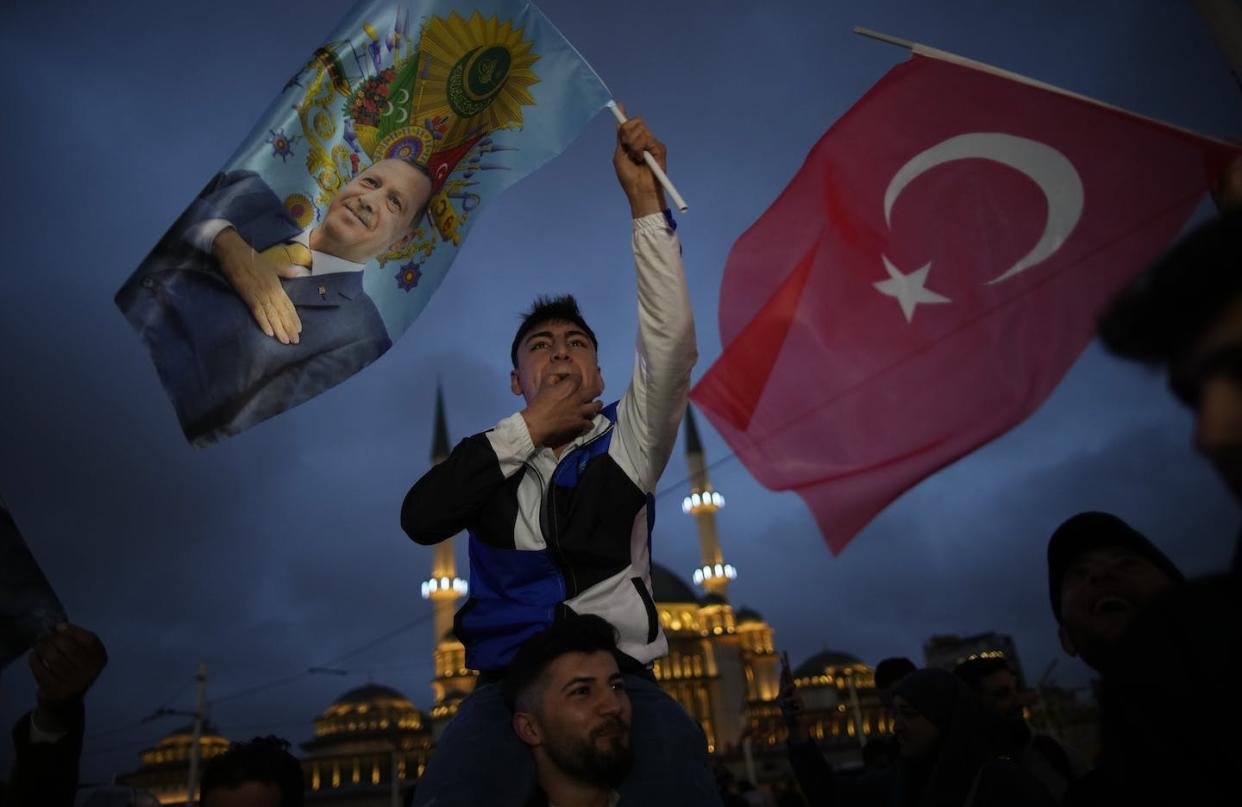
{"points": [[1045, 166]]}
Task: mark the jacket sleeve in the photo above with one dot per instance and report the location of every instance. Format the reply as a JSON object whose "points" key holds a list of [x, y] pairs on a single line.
{"points": [[651, 409], [449, 497], [45, 774]]}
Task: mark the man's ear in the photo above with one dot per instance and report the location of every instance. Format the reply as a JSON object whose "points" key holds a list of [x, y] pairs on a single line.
{"points": [[527, 729], [513, 383], [1067, 644]]}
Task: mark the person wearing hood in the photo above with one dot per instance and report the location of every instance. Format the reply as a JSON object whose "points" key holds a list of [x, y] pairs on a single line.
{"points": [[948, 756]]}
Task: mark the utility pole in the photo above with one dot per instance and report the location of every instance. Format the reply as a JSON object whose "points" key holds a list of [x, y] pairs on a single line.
{"points": [[192, 784], [395, 793], [857, 709]]}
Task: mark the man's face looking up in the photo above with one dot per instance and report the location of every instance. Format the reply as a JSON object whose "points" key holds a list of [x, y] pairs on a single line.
{"points": [[1209, 379], [581, 719], [1101, 592], [373, 213], [552, 351]]}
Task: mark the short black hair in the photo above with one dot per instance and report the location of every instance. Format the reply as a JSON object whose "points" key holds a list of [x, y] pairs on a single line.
{"points": [[1167, 309], [262, 759], [891, 670], [546, 309], [972, 671], [573, 633]]}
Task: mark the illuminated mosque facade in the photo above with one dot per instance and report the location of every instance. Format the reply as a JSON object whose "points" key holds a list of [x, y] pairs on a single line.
{"points": [[722, 666]]}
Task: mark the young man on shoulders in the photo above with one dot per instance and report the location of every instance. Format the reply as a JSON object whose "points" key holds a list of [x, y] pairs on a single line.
{"points": [[557, 499]]}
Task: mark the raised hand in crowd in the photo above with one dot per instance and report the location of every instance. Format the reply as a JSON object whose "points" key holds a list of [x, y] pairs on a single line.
{"points": [[64, 664]]}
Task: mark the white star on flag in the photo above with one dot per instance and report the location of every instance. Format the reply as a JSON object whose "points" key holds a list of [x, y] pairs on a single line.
{"points": [[908, 289]]}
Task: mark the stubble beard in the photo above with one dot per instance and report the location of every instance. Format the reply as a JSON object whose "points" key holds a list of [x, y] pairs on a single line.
{"points": [[587, 762]]}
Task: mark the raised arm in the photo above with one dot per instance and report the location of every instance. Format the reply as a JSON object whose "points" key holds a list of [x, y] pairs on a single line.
{"points": [[652, 406]]}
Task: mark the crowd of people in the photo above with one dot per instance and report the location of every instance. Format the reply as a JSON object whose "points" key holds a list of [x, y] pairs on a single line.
{"points": [[561, 622]]}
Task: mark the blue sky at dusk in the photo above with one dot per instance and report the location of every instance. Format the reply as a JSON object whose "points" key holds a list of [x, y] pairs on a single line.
{"points": [[280, 549]]}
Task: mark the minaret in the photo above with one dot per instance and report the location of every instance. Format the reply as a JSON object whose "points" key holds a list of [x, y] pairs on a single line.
{"points": [[703, 502], [444, 588]]}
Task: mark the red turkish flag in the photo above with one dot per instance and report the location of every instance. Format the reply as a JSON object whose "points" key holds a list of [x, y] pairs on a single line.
{"points": [[929, 275]]}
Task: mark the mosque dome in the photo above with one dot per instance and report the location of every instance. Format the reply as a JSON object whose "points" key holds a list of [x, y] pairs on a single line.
{"points": [[367, 710], [748, 615], [820, 662], [173, 749], [371, 693], [668, 587]]}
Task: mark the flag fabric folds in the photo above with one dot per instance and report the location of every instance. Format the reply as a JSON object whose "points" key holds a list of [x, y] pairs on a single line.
{"points": [[326, 233], [930, 274]]}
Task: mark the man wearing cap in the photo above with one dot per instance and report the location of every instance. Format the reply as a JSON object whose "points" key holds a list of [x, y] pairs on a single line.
{"points": [[1170, 700], [1101, 573]]}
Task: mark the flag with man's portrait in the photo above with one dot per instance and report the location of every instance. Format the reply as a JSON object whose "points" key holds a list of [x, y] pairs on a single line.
{"points": [[323, 237]]}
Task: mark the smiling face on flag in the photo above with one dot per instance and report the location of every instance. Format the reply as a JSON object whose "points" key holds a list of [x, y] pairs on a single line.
{"points": [[324, 236], [375, 212], [943, 256]]}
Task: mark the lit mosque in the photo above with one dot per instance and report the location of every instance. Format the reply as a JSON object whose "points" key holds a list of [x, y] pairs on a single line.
{"points": [[165, 765], [722, 667]]}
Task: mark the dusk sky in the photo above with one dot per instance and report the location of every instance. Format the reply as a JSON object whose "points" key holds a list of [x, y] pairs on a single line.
{"points": [[279, 549]]}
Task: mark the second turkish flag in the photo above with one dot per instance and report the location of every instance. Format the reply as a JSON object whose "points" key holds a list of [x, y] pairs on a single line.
{"points": [[929, 276]]}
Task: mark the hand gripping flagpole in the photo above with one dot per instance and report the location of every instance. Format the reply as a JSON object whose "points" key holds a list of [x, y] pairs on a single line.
{"points": [[665, 182]]}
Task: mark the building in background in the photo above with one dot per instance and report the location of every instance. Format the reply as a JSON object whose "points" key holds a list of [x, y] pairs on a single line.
{"points": [[842, 708], [164, 770], [453, 681], [949, 650], [364, 740]]}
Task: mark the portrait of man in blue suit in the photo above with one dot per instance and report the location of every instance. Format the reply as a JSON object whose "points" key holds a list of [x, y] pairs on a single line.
{"points": [[246, 314]]}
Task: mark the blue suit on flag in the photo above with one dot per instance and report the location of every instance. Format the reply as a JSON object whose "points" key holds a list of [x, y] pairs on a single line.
{"points": [[221, 371]]}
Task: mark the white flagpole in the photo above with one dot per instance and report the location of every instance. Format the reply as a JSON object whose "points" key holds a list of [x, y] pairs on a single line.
{"points": [[953, 58], [653, 165]]}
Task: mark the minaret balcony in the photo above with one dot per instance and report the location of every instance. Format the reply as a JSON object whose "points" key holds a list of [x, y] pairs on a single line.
{"points": [[711, 572], [444, 588], [709, 501]]}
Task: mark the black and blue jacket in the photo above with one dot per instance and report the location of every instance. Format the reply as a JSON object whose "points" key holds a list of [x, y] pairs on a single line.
{"points": [[549, 534]]}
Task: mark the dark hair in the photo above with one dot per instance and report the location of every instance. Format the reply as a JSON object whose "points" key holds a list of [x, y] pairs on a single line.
{"points": [[575, 633], [263, 759], [547, 309], [891, 670], [972, 671], [1169, 306]]}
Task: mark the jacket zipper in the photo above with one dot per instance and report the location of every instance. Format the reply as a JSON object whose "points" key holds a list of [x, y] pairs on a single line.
{"points": [[550, 505]]}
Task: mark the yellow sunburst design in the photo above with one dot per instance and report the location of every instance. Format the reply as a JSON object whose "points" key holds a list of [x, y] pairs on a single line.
{"points": [[475, 74], [301, 209]]}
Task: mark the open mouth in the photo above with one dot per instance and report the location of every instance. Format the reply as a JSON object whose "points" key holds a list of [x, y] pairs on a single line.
{"points": [[1110, 605]]}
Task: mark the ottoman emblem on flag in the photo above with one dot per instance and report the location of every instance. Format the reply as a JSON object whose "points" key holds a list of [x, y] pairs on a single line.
{"points": [[434, 100], [1045, 166]]}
